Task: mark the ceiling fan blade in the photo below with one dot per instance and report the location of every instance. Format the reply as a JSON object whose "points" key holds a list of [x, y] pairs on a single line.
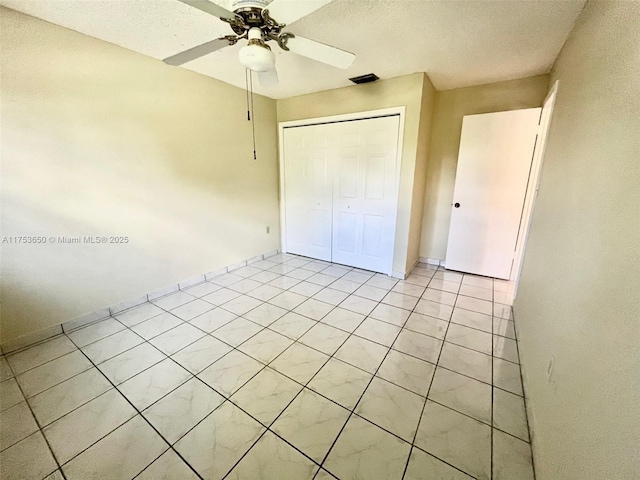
{"points": [[268, 78], [288, 11], [209, 7], [320, 52], [196, 52]]}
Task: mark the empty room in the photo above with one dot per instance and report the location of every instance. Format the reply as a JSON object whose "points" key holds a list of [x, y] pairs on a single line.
{"points": [[320, 239]]}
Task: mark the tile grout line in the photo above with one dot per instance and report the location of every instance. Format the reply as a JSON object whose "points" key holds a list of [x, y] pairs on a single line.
{"points": [[114, 316], [319, 321], [265, 366], [192, 376], [138, 412], [55, 385], [205, 335], [352, 411], [40, 430], [268, 428], [180, 289], [95, 366], [305, 386], [375, 376], [237, 316], [125, 327], [162, 352], [492, 388], [183, 321], [228, 398], [111, 314], [435, 370], [524, 397], [309, 381], [316, 321]]}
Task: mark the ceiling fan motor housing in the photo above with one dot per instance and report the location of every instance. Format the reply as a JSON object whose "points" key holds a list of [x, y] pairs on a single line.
{"points": [[251, 14], [241, 4], [250, 11]]}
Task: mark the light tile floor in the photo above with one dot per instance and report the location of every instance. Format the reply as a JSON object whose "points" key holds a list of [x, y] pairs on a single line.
{"points": [[288, 369]]}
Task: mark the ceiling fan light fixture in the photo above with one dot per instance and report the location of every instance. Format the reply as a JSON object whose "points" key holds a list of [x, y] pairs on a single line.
{"points": [[257, 58], [257, 55]]}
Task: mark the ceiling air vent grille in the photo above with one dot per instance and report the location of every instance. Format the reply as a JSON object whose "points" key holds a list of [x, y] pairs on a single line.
{"points": [[369, 77]]}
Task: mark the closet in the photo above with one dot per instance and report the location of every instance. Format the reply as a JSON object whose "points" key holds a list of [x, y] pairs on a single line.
{"points": [[340, 191]]}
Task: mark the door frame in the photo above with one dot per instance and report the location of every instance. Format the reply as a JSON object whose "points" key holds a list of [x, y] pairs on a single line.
{"points": [[365, 115], [534, 185]]}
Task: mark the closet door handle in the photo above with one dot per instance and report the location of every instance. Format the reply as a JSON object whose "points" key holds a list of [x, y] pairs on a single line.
{"points": [[457, 205]]}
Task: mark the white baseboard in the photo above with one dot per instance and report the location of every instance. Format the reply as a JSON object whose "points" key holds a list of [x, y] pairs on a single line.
{"points": [[432, 261], [126, 305], [215, 273], [404, 275], [86, 319], [398, 275], [191, 282], [161, 292], [236, 266], [32, 338]]}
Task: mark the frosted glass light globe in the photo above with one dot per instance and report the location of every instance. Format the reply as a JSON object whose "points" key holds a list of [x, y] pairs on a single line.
{"points": [[257, 58]]}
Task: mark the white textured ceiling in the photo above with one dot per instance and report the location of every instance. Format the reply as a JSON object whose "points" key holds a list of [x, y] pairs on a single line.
{"points": [[457, 42]]}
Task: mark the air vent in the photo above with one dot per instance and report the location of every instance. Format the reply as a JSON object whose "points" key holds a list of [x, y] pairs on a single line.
{"points": [[369, 77]]}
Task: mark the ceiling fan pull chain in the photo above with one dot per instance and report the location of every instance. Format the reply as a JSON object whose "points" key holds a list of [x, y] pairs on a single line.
{"points": [[253, 116], [246, 88]]}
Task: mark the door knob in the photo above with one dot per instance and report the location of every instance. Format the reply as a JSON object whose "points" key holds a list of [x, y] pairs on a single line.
{"points": [[457, 205]]}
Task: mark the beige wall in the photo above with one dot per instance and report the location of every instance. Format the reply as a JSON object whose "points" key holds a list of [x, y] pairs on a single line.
{"points": [[579, 297], [99, 140], [450, 107], [420, 175], [402, 91]]}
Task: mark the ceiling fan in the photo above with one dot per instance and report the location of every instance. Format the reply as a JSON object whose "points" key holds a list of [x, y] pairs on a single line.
{"points": [[254, 20]]}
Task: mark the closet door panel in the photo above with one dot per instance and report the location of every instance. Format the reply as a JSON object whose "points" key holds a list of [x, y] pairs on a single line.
{"points": [[365, 190], [308, 191]]}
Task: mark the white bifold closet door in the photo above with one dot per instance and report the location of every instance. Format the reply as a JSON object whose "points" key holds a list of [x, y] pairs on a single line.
{"points": [[341, 191], [308, 191], [365, 193]]}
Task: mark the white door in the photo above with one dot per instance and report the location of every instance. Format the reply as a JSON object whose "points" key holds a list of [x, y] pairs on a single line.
{"points": [[365, 192], [341, 191], [308, 191], [491, 180]]}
